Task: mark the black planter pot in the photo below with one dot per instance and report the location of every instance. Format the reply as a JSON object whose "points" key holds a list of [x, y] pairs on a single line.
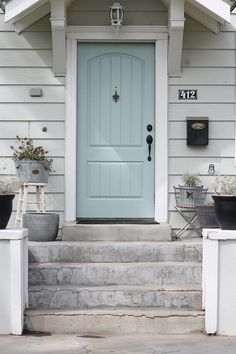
{"points": [[225, 209], [5, 209]]}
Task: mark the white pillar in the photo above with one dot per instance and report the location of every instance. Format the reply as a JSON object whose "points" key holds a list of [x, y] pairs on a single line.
{"points": [[14, 279]]}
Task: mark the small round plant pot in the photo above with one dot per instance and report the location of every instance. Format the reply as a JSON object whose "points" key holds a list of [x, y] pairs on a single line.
{"points": [[225, 209], [41, 226], [5, 209], [32, 171]]}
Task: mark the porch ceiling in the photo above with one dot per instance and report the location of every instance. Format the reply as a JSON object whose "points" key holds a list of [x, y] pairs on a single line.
{"points": [[23, 13]]}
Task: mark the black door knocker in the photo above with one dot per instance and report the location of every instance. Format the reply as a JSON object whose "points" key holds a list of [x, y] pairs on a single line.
{"points": [[116, 97]]}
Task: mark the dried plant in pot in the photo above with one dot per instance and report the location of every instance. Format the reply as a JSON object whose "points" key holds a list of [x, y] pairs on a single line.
{"points": [[191, 193], [8, 186], [32, 163], [225, 201]]}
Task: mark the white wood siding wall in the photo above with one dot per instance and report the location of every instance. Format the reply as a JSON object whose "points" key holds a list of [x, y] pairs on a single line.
{"points": [[137, 12], [208, 65], [25, 62]]}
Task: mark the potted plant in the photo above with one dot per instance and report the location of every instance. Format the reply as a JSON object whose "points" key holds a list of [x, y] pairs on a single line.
{"points": [[207, 216], [32, 163], [8, 186], [225, 201], [191, 193]]}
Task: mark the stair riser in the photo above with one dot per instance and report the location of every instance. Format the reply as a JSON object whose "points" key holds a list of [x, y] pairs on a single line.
{"points": [[62, 299], [116, 232], [111, 324], [115, 253], [116, 274]]}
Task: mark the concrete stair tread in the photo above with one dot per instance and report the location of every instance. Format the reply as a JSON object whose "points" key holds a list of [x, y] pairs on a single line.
{"points": [[112, 242], [125, 311], [106, 264], [166, 288]]}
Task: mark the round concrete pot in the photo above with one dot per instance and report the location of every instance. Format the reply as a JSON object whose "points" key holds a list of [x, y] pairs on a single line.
{"points": [[41, 226]]}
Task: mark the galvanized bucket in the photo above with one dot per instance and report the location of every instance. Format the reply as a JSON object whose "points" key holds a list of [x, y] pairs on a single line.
{"points": [[32, 171]]}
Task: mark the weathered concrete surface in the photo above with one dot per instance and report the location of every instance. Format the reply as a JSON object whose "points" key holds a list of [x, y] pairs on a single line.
{"points": [[115, 252], [125, 344], [162, 273], [116, 232], [107, 322], [115, 287], [114, 296]]}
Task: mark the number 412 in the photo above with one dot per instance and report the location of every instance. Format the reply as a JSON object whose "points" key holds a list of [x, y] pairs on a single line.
{"points": [[187, 94]]}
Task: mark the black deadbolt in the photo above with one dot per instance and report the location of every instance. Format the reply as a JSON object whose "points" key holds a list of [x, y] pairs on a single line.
{"points": [[149, 127]]}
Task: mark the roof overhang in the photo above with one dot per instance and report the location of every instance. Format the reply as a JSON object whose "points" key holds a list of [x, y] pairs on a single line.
{"points": [[209, 13], [23, 13]]}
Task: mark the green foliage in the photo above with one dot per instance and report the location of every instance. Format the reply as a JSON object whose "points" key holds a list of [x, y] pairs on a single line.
{"points": [[191, 180], [225, 185], [25, 150]]}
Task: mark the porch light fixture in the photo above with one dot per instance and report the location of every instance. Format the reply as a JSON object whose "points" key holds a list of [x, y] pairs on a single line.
{"points": [[116, 15]]}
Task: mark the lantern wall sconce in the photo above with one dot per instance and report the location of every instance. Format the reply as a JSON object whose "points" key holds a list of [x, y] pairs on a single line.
{"points": [[116, 15]]}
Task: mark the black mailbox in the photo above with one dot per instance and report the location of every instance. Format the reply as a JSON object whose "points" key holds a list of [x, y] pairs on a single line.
{"points": [[197, 131]]}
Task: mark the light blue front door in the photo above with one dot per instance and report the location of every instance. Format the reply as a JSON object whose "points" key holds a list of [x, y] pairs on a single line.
{"points": [[115, 106]]}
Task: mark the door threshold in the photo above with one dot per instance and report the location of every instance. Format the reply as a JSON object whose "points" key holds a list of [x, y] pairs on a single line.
{"points": [[141, 221]]}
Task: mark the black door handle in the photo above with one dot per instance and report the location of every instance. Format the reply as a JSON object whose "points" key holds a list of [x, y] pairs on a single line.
{"points": [[149, 141]]}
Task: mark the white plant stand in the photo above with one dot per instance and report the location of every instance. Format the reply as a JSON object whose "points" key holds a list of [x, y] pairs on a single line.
{"points": [[23, 201], [219, 281], [13, 280]]}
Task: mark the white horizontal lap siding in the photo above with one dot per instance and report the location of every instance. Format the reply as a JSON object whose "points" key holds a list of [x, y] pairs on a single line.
{"points": [[217, 130], [8, 131], [25, 63], [137, 12], [7, 165], [208, 65], [32, 111]]}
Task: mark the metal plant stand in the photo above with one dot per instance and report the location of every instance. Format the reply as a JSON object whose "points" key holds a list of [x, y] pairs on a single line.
{"points": [[190, 217], [186, 199]]}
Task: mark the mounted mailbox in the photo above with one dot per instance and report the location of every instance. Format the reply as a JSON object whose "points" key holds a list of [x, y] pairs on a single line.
{"points": [[197, 131]]}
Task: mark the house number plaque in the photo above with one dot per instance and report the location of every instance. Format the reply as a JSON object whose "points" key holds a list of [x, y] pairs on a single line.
{"points": [[187, 94]]}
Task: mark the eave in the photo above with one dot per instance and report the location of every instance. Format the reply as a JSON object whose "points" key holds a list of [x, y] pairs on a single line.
{"points": [[207, 12], [23, 13]]}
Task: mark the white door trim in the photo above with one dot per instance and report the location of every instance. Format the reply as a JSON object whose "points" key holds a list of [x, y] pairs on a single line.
{"points": [[155, 34]]}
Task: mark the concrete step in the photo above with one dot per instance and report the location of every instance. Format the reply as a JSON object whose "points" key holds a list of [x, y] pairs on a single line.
{"points": [[110, 321], [71, 296], [96, 274], [119, 252], [116, 232]]}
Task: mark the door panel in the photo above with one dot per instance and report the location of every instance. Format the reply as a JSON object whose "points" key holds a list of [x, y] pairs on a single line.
{"points": [[114, 177]]}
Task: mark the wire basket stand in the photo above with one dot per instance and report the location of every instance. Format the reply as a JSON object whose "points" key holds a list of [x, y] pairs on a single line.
{"points": [[186, 199]]}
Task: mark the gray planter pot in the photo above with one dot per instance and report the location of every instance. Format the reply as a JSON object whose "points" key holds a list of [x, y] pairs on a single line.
{"points": [[32, 171], [41, 226], [207, 217]]}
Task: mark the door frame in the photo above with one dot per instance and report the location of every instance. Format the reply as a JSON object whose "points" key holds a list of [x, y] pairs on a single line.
{"points": [[142, 34]]}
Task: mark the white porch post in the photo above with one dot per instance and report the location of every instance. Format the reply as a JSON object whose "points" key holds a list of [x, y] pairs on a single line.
{"points": [[14, 279]]}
